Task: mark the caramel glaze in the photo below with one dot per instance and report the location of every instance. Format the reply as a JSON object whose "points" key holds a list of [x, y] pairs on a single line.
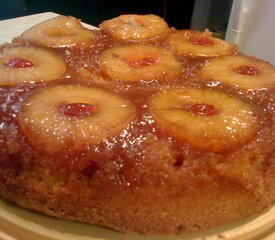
{"points": [[133, 159]]}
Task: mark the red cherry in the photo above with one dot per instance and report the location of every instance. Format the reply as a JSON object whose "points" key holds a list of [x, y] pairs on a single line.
{"points": [[77, 109], [19, 63], [246, 70], [201, 41], [202, 109]]}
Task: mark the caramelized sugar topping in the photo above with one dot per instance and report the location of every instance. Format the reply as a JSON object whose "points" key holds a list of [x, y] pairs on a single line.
{"points": [[18, 62], [246, 70], [77, 109]]}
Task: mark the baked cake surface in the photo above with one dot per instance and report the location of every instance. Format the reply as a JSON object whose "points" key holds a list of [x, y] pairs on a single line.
{"points": [[135, 126]]}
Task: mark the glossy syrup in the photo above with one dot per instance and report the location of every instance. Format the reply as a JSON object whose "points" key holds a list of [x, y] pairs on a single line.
{"points": [[137, 147]]}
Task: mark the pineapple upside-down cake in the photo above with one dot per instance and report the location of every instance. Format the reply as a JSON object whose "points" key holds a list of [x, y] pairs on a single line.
{"points": [[135, 126]]}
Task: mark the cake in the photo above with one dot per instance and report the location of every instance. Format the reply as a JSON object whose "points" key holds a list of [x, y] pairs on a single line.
{"points": [[135, 126]]}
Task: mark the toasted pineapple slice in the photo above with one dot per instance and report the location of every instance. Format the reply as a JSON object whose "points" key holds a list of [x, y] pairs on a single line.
{"points": [[240, 71], [192, 43], [60, 32], [138, 62], [207, 120], [28, 64], [135, 28], [73, 117]]}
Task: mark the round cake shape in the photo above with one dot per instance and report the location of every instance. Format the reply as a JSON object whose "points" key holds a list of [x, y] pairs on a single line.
{"points": [[177, 157]]}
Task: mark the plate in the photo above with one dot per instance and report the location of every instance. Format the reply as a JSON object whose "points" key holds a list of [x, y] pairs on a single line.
{"points": [[21, 224]]}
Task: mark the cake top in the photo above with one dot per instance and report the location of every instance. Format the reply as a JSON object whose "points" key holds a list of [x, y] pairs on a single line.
{"points": [[132, 86]]}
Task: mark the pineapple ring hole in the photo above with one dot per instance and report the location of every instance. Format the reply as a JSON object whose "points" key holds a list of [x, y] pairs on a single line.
{"points": [[77, 109], [178, 161], [246, 70], [143, 62], [58, 32], [201, 41], [201, 109], [18, 62], [132, 20]]}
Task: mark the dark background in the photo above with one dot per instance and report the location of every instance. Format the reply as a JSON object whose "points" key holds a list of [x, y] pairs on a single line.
{"points": [[211, 14], [177, 13]]}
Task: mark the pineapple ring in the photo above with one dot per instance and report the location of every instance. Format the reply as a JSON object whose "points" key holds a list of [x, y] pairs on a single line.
{"points": [[58, 32], [245, 72], [207, 120], [192, 43], [138, 62], [135, 28], [73, 117], [28, 64]]}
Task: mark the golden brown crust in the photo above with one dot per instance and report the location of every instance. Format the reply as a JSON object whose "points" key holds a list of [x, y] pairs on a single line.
{"points": [[169, 201], [142, 178]]}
